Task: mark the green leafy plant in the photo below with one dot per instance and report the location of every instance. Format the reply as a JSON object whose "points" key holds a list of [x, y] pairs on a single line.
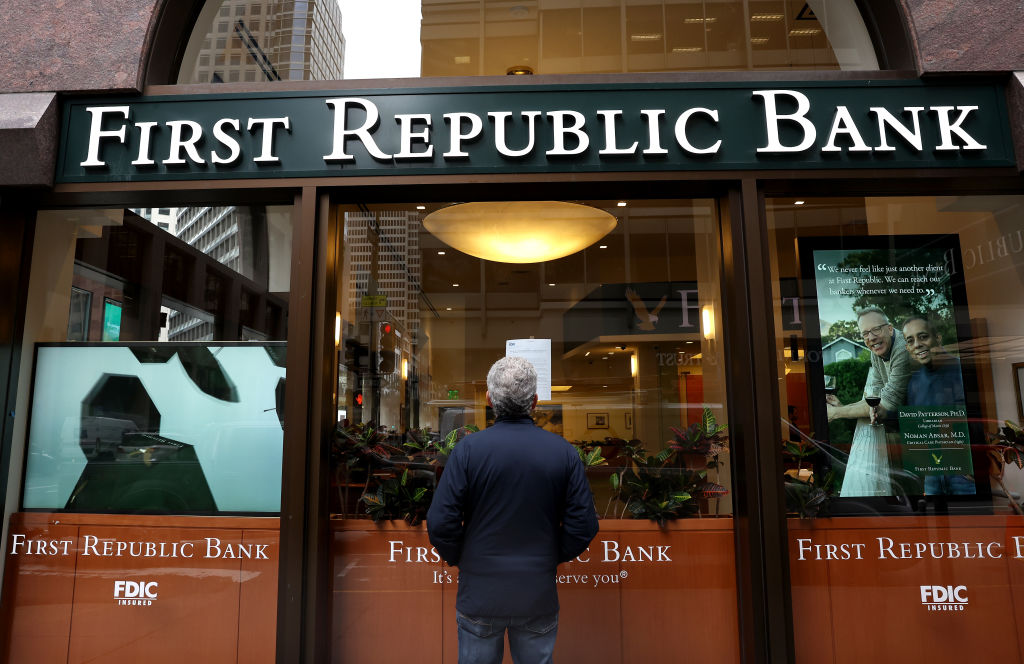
{"points": [[670, 484], [398, 497], [1009, 443], [590, 455], [398, 475], [809, 499], [1006, 447], [806, 497]]}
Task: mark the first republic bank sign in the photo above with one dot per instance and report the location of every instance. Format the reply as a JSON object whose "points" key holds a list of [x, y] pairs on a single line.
{"points": [[535, 129]]}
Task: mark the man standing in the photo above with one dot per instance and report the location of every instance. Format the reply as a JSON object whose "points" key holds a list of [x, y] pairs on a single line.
{"points": [[512, 503], [938, 382], [868, 469]]}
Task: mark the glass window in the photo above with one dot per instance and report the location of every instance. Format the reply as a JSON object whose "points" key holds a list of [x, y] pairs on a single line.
{"points": [[408, 39], [627, 326], [899, 348], [170, 399]]}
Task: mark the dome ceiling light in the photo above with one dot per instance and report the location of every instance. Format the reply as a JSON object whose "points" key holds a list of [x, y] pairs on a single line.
{"points": [[519, 231]]}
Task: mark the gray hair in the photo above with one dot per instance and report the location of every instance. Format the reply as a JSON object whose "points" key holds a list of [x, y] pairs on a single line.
{"points": [[512, 384], [872, 310]]}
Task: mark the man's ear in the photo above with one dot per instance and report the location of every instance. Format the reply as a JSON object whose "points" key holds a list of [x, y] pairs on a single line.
{"points": [[534, 404], [487, 396]]}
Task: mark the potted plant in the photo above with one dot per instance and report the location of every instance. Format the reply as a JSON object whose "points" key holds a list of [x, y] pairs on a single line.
{"points": [[398, 476], [674, 482]]}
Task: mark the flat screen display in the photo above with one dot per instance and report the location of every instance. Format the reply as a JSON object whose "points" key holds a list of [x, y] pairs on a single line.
{"points": [[156, 428]]}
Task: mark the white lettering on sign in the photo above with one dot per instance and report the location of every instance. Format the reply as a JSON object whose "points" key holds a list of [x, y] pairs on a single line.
{"points": [[633, 554], [457, 136], [610, 139], [562, 131], [342, 133], [97, 133], [944, 598], [21, 545], [888, 548], [185, 138], [266, 126], [91, 545], [844, 551], [135, 593], [398, 552], [891, 549], [405, 123], [791, 121], [683, 139], [772, 118]]}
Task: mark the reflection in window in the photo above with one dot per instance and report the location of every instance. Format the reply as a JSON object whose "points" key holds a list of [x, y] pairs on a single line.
{"points": [[352, 39], [637, 377], [179, 409], [937, 350]]}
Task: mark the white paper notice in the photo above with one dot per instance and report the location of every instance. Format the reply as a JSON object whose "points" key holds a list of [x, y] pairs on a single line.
{"points": [[538, 352]]}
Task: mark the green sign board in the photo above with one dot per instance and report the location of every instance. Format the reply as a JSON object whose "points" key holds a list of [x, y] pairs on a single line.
{"points": [[536, 128], [374, 301]]}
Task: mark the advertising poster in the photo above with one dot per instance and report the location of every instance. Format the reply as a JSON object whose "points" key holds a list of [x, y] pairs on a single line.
{"points": [[891, 313]]}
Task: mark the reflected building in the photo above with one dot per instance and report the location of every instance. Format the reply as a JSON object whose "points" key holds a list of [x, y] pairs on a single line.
{"points": [[258, 41]]}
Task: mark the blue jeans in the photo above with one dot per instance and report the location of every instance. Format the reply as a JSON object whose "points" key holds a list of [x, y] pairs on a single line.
{"points": [[948, 485], [530, 638]]}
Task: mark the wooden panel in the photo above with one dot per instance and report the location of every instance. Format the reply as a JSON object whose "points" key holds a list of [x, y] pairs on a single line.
{"points": [[38, 590], [195, 615], [812, 603], [73, 599], [257, 615], [619, 602], [387, 597], [865, 593], [683, 610]]}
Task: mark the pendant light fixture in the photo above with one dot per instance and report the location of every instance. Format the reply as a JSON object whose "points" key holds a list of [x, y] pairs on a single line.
{"points": [[519, 231]]}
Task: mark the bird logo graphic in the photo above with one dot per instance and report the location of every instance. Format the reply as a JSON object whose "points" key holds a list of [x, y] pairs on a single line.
{"points": [[648, 320], [937, 458]]}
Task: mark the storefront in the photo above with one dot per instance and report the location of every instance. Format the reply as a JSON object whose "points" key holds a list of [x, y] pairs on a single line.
{"points": [[257, 278]]}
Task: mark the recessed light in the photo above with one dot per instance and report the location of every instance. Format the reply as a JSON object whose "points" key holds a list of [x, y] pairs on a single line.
{"points": [[586, 354], [447, 308], [798, 202], [621, 203], [421, 207], [603, 246], [550, 284], [440, 253], [455, 285], [604, 386]]}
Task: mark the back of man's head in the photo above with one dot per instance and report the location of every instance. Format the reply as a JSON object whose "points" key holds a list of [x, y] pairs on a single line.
{"points": [[512, 384]]}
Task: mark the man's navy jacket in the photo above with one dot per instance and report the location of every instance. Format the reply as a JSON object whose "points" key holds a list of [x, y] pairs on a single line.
{"points": [[512, 503]]}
